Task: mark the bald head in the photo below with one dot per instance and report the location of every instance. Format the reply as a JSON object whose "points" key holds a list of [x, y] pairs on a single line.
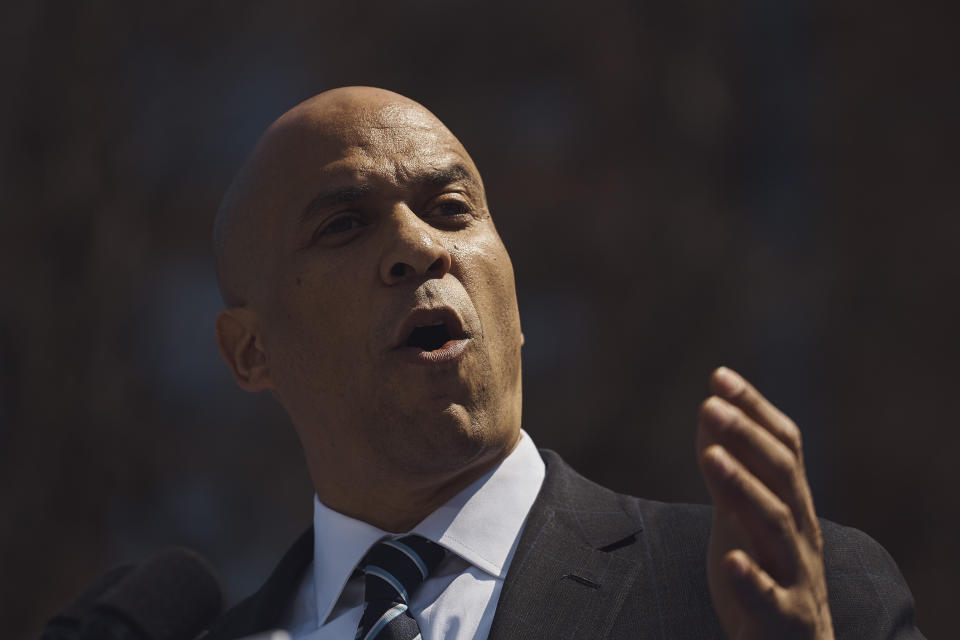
{"points": [[296, 144], [358, 220]]}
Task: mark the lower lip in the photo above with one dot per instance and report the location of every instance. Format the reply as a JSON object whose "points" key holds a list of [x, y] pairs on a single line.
{"points": [[451, 351]]}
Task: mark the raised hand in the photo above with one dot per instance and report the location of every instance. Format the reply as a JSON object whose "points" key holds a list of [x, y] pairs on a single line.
{"points": [[765, 558]]}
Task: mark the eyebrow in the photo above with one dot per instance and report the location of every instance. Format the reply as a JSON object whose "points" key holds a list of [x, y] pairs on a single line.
{"points": [[455, 173], [335, 197], [353, 193]]}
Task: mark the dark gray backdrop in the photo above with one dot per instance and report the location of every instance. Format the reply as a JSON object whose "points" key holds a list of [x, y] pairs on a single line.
{"points": [[681, 184]]}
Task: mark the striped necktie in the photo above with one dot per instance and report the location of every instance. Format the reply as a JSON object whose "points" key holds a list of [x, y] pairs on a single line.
{"points": [[393, 569]]}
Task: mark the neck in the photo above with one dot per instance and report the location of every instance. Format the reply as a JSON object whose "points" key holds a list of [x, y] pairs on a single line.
{"points": [[397, 502]]}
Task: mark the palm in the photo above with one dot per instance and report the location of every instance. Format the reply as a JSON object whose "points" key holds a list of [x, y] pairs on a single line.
{"points": [[765, 557]]}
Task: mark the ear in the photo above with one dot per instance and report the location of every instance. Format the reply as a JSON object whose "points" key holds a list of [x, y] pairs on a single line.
{"points": [[238, 336]]}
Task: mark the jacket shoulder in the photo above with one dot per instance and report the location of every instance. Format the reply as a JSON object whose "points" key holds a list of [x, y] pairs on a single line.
{"points": [[869, 597]]}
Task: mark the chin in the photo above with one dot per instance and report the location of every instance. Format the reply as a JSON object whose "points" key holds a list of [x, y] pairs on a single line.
{"points": [[451, 441]]}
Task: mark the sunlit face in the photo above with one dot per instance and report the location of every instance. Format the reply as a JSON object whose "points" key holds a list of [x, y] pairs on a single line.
{"points": [[389, 315]]}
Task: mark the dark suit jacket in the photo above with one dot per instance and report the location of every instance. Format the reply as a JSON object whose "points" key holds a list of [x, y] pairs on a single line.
{"points": [[595, 564]]}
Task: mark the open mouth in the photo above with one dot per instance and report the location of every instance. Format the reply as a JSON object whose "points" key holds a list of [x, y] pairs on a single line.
{"points": [[433, 336], [429, 337]]}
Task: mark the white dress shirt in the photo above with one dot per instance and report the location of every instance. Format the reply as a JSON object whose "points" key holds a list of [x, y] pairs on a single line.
{"points": [[480, 528]]}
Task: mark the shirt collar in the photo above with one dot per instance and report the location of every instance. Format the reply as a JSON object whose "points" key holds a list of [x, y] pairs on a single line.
{"points": [[481, 524]]}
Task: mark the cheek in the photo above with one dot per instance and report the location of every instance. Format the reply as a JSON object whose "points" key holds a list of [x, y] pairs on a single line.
{"points": [[305, 317], [489, 277]]}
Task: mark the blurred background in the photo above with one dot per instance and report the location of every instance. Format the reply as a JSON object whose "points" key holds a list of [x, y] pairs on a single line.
{"points": [[769, 185]]}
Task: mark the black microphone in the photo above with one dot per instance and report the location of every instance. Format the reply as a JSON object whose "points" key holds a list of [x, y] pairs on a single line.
{"points": [[172, 596], [66, 624]]}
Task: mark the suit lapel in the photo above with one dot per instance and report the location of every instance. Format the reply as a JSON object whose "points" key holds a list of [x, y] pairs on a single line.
{"points": [[563, 580], [262, 610]]}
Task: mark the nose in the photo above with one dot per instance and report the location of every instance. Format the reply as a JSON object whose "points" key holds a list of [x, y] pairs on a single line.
{"points": [[413, 250]]}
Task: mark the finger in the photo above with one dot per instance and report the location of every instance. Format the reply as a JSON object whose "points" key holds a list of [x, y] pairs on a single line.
{"points": [[731, 386], [767, 520], [765, 456], [757, 593]]}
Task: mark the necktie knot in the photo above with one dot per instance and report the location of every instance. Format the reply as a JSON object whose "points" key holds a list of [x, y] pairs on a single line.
{"points": [[393, 569]]}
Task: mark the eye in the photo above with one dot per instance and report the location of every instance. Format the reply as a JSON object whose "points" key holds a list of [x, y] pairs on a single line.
{"points": [[341, 224], [450, 210]]}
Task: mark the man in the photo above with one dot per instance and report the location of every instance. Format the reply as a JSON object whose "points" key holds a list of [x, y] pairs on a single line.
{"points": [[368, 290]]}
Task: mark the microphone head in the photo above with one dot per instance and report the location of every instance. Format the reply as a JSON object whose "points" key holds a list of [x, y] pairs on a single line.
{"points": [[66, 624], [172, 596]]}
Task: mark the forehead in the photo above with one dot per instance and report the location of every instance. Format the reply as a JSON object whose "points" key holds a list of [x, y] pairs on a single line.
{"points": [[388, 140]]}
